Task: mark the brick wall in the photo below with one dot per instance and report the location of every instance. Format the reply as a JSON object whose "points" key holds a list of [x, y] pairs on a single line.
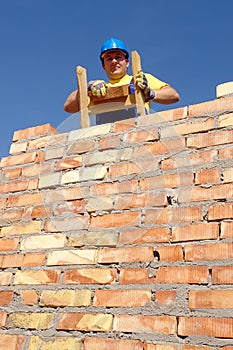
{"points": [[119, 236]]}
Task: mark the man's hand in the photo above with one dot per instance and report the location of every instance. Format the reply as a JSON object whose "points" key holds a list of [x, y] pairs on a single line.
{"points": [[97, 87], [143, 84]]}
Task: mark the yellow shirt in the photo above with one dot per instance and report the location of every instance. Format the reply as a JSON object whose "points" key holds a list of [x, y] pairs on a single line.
{"points": [[154, 83]]}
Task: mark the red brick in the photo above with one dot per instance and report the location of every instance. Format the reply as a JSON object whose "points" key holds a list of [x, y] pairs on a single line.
{"points": [[29, 297], [13, 260], [183, 274], [205, 326], [158, 148], [2, 203], [5, 278], [111, 255], [211, 139], [114, 188], [6, 297], [112, 343], [222, 275], [12, 173], [195, 232], [123, 125], [93, 276], [14, 186], [211, 299], [208, 176], [141, 136], [11, 216], [34, 131], [18, 159], [75, 207], [145, 323], [167, 181], [199, 193], [12, 342], [124, 298], [3, 317], [135, 276], [131, 168], [81, 146], [226, 153], [165, 297], [33, 277], [222, 104], [227, 229], [144, 235], [25, 199], [41, 211], [220, 211], [167, 215], [170, 253], [109, 142], [215, 251], [34, 259], [8, 244], [116, 220], [69, 163]]}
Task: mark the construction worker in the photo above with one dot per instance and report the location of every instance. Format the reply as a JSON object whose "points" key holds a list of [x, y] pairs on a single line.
{"points": [[115, 62]]}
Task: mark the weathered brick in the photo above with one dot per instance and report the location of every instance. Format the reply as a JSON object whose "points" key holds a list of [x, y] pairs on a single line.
{"points": [[212, 139], [207, 176], [84, 174], [8, 244], [22, 158], [226, 153], [110, 255], [93, 276], [27, 277], [12, 173], [225, 120], [167, 215], [40, 142], [114, 188], [116, 220], [223, 104], [29, 297], [6, 297], [22, 229], [64, 343], [224, 89], [145, 323], [100, 203], [141, 136], [220, 211], [34, 131], [216, 251], [93, 239], [165, 297], [31, 170], [10, 216], [103, 157], [43, 242], [112, 343], [65, 297], [30, 320], [228, 175], [211, 299], [144, 235], [81, 146], [12, 341], [89, 132], [66, 224], [170, 253], [72, 257], [50, 180], [85, 322], [69, 163], [195, 232], [187, 128], [109, 142], [5, 278], [25, 199], [167, 181], [16, 186], [222, 275], [135, 276], [163, 117], [183, 274], [41, 211], [205, 326], [124, 298], [55, 153], [227, 229], [66, 194]]}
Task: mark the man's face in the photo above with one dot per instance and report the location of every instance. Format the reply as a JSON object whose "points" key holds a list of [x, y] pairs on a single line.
{"points": [[115, 64]]}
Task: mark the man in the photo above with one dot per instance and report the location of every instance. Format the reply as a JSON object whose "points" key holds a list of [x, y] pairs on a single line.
{"points": [[115, 62]]}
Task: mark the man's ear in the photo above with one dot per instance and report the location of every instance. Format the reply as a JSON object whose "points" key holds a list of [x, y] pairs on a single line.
{"points": [[127, 64]]}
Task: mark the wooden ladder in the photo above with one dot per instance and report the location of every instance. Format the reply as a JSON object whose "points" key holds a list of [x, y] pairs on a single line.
{"points": [[89, 104]]}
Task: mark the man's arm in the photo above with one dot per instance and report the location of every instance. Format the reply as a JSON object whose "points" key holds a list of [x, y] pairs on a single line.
{"points": [[166, 95], [72, 103]]}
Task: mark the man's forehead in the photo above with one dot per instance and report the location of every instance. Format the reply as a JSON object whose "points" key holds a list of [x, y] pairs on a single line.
{"points": [[114, 52]]}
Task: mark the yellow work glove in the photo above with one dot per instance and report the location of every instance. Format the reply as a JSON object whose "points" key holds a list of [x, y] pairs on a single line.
{"points": [[143, 84], [97, 87]]}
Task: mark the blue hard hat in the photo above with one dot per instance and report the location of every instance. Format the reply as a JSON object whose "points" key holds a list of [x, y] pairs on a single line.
{"points": [[113, 44]]}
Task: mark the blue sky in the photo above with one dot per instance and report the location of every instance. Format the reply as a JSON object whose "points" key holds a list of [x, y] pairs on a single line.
{"points": [[187, 43]]}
